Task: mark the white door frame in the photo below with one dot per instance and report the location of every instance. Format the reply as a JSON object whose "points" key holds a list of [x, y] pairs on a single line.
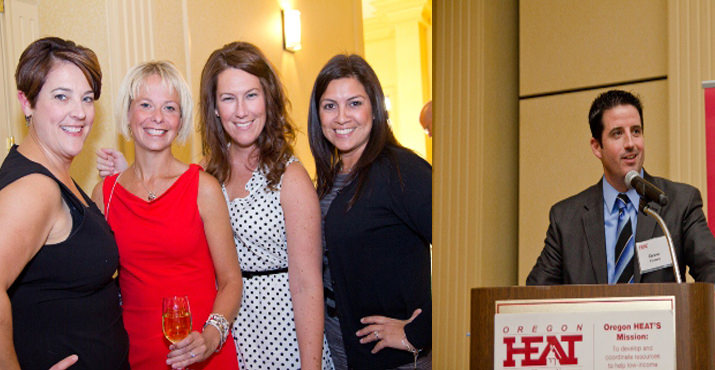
{"points": [[18, 27]]}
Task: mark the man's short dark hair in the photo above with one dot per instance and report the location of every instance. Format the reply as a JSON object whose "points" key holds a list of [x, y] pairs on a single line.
{"points": [[610, 99]]}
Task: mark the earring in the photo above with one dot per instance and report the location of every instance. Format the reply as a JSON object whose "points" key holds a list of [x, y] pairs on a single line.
{"points": [[28, 120]]}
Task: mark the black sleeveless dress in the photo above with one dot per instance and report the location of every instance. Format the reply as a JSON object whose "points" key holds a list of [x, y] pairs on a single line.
{"points": [[66, 301]]}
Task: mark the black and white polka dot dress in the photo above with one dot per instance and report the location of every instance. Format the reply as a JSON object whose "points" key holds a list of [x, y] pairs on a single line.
{"points": [[264, 331]]}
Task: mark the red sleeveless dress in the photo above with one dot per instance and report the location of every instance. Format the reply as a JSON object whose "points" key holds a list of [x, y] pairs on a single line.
{"points": [[162, 252]]}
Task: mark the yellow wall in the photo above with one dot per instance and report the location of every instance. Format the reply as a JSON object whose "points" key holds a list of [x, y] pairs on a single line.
{"points": [[397, 47], [186, 32], [566, 44], [475, 164]]}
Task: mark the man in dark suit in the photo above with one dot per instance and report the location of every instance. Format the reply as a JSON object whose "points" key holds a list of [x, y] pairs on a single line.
{"points": [[582, 245]]}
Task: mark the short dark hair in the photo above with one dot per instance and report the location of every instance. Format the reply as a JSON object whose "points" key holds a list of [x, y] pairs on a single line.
{"points": [[40, 56], [327, 158], [605, 101]]}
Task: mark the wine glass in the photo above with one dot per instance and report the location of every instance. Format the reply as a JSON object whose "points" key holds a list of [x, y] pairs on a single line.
{"points": [[176, 318]]}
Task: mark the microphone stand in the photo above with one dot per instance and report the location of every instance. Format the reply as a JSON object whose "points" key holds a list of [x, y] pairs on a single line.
{"points": [[643, 205]]}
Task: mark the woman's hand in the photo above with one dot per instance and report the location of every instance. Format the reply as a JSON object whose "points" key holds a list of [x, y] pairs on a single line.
{"points": [[388, 332], [194, 348], [65, 363], [110, 161]]}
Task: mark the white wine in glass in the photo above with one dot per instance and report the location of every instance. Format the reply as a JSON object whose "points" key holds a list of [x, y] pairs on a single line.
{"points": [[176, 318]]}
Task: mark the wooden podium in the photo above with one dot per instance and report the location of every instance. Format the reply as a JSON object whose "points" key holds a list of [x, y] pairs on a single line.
{"points": [[694, 316]]}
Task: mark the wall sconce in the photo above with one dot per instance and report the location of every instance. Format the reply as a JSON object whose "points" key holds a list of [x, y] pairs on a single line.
{"points": [[291, 30]]}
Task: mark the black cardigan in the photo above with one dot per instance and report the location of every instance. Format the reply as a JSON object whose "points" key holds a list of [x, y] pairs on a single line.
{"points": [[379, 255]]}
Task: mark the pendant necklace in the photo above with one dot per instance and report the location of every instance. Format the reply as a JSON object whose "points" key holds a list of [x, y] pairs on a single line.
{"points": [[150, 194]]}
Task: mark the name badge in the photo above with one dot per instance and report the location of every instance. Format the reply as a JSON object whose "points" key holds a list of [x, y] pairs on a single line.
{"points": [[653, 254]]}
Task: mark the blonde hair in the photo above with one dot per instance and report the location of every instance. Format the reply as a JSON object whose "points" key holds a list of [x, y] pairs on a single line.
{"points": [[134, 81]]}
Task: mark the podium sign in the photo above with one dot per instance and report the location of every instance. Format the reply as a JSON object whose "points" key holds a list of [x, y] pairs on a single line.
{"points": [[585, 340], [623, 326], [587, 333]]}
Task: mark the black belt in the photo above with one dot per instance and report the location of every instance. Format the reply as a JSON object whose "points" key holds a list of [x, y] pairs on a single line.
{"points": [[250, 274]]}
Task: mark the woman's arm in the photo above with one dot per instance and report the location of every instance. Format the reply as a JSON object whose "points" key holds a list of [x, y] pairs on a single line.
{"points": [[301, 210], [219, 235], [33, 214]]}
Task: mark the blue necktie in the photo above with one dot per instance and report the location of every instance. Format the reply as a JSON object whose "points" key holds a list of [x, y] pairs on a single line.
{"points": [[624, 243]]}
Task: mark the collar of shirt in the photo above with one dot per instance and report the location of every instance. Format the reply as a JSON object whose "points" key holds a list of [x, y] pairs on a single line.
{"points": [[610, 194]]}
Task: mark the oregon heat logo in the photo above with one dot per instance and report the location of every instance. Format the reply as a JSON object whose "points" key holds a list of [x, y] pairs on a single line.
{"points": [[541, 350]]}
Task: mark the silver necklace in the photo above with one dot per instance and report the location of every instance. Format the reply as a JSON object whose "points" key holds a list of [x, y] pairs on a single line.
{"points": [[151, 196]]}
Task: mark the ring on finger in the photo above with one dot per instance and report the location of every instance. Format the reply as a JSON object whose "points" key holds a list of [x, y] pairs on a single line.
{"points": [[377, 335], [192, 354]]}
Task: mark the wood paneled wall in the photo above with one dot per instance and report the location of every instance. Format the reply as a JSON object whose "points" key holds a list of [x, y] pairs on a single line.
{"points": [[475, 164], [691, 60]]}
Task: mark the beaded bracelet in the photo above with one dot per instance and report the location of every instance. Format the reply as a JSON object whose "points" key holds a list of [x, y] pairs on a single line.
{"points": [[415, 351], [219, 322]]}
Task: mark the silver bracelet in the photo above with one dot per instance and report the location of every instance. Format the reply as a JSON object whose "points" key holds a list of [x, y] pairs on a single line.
{"points": [[410, 348], [219, 322]]}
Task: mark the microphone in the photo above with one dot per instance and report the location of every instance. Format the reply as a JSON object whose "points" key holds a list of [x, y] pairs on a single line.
{"points": [[650, 192]]}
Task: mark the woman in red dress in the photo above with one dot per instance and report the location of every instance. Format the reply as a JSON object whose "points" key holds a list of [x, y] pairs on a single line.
{"points": [[172, 228]]}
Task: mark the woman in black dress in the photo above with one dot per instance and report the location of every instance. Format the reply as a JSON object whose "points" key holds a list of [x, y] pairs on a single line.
{"points": [[59, 301]]}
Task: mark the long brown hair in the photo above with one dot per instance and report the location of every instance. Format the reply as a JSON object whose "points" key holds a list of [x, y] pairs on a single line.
{"points": [[327, 157], [274, 142]]}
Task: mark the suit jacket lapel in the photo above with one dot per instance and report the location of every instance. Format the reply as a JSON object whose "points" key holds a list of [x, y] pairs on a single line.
{"points": [[595, 231]]}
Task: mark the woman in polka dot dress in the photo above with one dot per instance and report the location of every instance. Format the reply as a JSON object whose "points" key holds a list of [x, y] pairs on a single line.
{"points": [[274, 211]]}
